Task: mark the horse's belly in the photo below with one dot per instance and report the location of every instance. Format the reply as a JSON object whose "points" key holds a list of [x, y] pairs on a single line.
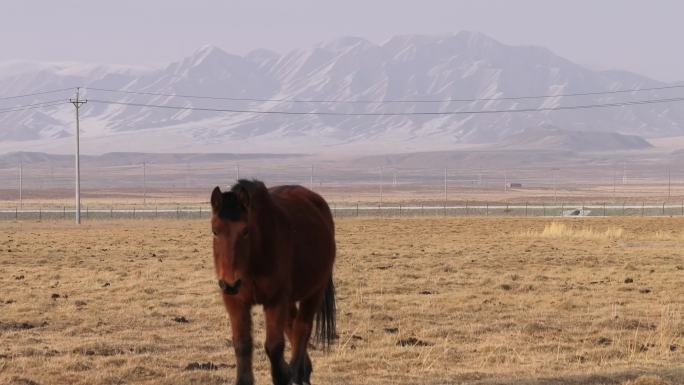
{"points": [[311, 268]]}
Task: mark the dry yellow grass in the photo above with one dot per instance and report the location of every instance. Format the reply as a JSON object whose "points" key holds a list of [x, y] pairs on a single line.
{"points": [[675, 235], [647, 380], [476, 301], [565, 231]]}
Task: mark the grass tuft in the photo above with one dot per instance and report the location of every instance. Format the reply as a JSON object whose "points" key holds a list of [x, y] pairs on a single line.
{"points": [[647, 380], [563, 231]]}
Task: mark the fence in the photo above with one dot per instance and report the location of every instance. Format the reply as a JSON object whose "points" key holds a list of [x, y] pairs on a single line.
{"points": [[350, 211], [54, 180]]}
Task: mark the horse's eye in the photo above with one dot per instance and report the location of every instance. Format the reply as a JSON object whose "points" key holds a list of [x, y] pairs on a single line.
{"points": [[214, 232], [245, 233]]}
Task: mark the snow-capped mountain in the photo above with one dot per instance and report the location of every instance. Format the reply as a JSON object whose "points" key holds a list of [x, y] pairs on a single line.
{"points": [[409, 70]]}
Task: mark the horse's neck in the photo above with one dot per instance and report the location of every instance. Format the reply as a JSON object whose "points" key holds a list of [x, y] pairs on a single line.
{"points": [[263, 251]]}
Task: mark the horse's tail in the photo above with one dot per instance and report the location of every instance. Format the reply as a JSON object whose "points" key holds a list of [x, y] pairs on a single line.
{"points": [[325, 318]]}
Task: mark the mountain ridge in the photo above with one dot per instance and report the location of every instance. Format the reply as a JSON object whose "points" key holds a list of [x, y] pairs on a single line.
{"points": [[465, 65]]}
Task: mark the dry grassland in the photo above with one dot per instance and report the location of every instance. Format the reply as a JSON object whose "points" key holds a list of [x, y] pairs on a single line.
{"points": [[364, 194], [421, 301]]}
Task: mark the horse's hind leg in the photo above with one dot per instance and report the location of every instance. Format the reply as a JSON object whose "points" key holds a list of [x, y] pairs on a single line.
{"points": [[301, 333], [276, 319]]}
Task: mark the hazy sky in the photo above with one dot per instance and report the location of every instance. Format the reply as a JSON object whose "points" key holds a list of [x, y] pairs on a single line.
{"points": [[638, 35]]}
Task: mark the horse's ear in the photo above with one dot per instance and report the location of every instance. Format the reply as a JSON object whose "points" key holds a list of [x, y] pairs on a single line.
{"points": [[216, 199]]}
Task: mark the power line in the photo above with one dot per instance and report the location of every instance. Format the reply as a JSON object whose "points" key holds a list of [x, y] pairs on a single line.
{"points": [[594, 93], [32, 106], [429, 113], [36, 93]]}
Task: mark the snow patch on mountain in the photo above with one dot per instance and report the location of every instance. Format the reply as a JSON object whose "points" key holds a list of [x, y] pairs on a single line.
{"points": [[409, 70]]}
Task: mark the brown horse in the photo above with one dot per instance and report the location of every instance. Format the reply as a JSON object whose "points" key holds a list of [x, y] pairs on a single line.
{"points": [[275, 247]]}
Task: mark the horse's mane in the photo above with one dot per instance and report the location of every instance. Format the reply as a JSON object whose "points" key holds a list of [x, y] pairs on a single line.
{"points": [[231, 208], [254, 191]]}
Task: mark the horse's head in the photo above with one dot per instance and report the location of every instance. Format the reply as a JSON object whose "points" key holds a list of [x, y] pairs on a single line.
{"points": [[230, 226]]}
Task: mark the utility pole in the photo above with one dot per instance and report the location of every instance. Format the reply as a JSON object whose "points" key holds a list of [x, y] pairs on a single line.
{"points": [[187, 175], [381, 186], [614, 177], [446, 187], [554, 184], [21, 181], [144, 184], [78, 102], [505, 180]]}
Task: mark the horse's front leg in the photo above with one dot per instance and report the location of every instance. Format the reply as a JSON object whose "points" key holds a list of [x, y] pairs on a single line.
{"points": [[276, 317], [241, 325], [300, 334]]}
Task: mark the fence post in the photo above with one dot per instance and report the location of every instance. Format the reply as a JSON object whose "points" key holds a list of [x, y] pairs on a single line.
{"points": [[87, 212], [334, 210], [63, 212], [133, 211], [40, 213], [200, 213], [177, 212], [357, 209], [663, 208], [623, 208], [399, 210], [487, 209], [422, 209], [16, 213], [466, 208], [642, 208], [111, 212], [525, 208], [155, 211], [604, 209], [544, 208]]}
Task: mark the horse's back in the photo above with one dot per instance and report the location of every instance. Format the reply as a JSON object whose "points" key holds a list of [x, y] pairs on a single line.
{"points": [[294, 198], [312, 233]]}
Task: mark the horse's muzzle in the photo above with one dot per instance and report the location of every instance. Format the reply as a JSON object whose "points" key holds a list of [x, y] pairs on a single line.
{"points": [[228, 288]]}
